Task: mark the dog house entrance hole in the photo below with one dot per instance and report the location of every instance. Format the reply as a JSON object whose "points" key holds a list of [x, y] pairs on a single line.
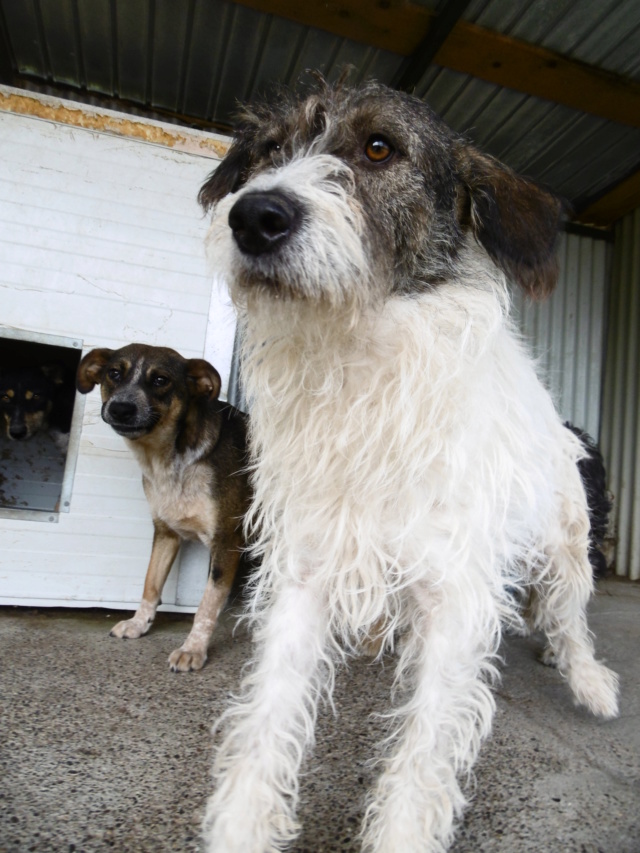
{"points": [[39, 423]]}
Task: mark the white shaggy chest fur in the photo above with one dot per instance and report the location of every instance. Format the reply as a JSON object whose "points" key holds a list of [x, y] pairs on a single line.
{"points": [[179, 493], [423, 410], [410, 475]]}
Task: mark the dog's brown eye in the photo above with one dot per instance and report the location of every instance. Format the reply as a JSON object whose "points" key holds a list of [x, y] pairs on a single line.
{"points": [[378, 149], [114, 374], [160, 381]]}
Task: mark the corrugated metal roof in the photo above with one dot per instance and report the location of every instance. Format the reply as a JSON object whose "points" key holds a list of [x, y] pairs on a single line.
{"points": [[603, 33], [199, 58]]}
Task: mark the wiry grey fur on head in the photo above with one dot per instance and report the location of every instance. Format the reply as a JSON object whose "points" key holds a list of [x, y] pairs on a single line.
{"points": [[418, 205]]}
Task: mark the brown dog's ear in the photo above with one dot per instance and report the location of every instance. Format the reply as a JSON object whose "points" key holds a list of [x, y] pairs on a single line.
{"points": [[228, 177], [91, 369], [203, 384], [515, 220], [203, 380]]}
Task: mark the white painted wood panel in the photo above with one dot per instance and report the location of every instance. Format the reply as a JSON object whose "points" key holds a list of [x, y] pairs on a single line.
{"points": [[101, 238]]}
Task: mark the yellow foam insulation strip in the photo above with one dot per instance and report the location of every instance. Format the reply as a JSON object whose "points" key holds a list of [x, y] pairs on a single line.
{"points": [[51, 109]]}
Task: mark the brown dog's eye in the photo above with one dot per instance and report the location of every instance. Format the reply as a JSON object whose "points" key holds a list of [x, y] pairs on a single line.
{"points": [[378, 149], [114, 374], [271, 147], [160, 381]]}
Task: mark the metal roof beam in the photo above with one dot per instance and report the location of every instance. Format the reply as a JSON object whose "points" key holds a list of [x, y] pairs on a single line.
{"points": [[447, 16]]}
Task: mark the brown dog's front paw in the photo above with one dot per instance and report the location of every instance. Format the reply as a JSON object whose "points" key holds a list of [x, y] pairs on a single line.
{"points": [[130, 629], [184, 660]]}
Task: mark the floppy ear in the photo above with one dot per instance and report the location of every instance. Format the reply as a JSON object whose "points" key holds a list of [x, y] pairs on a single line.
{"points": [[203, 380], [515, 220], [203, 385], [91, 369], [228, 177]]}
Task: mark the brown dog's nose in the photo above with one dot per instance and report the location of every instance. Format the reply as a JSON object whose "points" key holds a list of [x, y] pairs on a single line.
{"points": [[261, 221], [122, 412]]}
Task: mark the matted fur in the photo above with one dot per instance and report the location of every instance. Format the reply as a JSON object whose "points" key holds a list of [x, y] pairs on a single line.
{"points": [[410, 471]]}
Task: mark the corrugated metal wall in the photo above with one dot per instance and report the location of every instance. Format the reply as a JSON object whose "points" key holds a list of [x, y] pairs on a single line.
{"points": [[567, 331], [621, 404]]}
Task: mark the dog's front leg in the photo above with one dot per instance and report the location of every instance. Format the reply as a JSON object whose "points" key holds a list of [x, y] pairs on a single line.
{"points": [[166, 544], [257, 765], [447, 660], [223, 565]]}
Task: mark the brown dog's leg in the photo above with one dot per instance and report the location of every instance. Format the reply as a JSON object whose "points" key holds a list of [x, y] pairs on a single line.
{"points": [[223, 565], [165, 547], [372, 647]]}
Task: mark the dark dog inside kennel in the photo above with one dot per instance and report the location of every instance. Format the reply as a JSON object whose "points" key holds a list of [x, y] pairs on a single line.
{"points": [[37, 396]]}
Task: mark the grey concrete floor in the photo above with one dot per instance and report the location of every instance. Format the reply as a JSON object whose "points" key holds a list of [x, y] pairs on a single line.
{"points": [[102, 748]]}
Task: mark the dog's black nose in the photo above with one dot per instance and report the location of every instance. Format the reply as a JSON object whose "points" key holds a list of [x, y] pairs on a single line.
{"points": [[18, 432], [260, 221], [122, 412]]}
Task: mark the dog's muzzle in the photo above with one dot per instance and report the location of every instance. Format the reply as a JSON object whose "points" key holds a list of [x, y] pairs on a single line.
{"points": [[18, 432], [125, 417], [262, 221]]}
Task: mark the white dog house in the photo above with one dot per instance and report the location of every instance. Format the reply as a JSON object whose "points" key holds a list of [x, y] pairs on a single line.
{"points": [[102, 244]]}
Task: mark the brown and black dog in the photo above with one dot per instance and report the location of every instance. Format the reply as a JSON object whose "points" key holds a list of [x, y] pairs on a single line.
{"points": [[33, 399], [191, 448]]}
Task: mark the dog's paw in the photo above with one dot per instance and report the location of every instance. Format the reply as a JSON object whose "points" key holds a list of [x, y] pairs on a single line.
{"points": [[548, 657], [596, 687], [130, 629], [184, 660]]}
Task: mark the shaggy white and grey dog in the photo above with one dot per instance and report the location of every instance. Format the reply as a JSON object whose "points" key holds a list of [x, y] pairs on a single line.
{"points": [[410, 470]]}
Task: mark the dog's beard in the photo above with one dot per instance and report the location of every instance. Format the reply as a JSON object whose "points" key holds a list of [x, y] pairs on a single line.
{"points": [[325, 262]]}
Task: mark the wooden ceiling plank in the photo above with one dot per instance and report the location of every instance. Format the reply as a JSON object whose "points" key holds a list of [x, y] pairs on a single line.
{"points": [[536, 71], [615, 204]]}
